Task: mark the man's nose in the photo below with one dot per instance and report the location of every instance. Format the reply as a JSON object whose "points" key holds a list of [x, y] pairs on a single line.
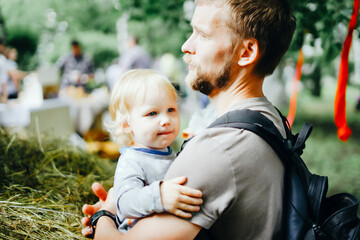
{"points": [[188, 46]]}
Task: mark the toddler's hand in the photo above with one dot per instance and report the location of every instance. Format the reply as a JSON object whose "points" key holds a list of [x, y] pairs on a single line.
{"points": [[178, 199]]}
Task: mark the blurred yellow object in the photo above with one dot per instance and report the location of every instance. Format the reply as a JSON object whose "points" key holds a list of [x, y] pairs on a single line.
{"points": [[104, 149], [94, 147], [74, 92], [110, 148]]}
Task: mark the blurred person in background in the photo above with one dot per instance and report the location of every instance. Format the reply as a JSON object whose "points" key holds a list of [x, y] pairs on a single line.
{"points": [[85, 103], [134, 56], [76, 67], [14, 75], [3, 74], [10, 76]]}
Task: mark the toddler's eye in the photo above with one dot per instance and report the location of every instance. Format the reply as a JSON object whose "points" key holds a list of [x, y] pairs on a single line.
{"points": [[171, 110], [153, 113]]}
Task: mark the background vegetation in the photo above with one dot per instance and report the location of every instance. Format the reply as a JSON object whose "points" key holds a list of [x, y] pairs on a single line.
{"points": [[44, 182], [42, 29], [49, 26]]}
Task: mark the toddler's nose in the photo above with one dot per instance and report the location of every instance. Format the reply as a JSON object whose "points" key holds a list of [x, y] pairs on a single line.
{"points": [[165, 120]]}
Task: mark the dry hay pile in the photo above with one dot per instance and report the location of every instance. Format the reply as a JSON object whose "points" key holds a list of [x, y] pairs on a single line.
{"points": [[44, 183]]}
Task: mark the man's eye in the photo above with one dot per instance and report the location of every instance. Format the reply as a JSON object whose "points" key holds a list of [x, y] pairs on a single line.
{"points": [[202, 35], [153, 113], [171, 110]]}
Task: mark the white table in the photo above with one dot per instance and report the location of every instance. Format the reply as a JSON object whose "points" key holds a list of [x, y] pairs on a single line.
{"points": [[52, 117]]}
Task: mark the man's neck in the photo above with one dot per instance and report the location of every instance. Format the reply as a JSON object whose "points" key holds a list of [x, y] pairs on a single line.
{"points": [[243, 87]]}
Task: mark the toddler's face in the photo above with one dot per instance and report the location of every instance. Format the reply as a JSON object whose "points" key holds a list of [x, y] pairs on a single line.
{"points": [[155, 123]]}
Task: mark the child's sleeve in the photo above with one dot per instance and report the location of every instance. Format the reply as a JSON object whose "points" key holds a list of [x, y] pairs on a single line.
{"points": [[134, 198]]}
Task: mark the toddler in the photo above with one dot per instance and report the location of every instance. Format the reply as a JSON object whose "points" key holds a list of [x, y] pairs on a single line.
{"points": [[145, 119]]}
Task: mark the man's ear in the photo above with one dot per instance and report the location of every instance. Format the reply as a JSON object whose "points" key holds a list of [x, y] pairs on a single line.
{"points": [[249, 52]]}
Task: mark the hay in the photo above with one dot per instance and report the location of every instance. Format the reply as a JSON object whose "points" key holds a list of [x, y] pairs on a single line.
{"points": [[44, 183], [21, 220]]}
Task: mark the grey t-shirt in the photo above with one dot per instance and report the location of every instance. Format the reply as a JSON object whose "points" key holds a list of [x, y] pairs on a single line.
{"points": [[240, 175]]}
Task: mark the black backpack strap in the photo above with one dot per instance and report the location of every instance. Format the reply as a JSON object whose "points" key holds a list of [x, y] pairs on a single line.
{"points": [[262, 126], [285, 148], [297, 141], [247, 116], [259, 124]]}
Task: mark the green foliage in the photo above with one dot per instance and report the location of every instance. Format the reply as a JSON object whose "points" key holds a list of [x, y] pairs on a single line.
{"points": [[320, 18], [87, 15], [327, 20], [102, 47], [28, 15], [55, 23], [104, 57], [159, 25], [157, 38]]}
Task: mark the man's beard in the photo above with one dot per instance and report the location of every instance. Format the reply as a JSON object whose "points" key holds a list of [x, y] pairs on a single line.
{"points": [[206, 82]]}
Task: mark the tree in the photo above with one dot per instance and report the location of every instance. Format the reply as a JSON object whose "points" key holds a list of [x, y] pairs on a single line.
{"points": [[324, 20], [160, 25], [53, 23]]}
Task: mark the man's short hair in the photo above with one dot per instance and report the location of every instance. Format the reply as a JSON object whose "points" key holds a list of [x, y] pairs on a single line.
{"points": [[270, 22]]}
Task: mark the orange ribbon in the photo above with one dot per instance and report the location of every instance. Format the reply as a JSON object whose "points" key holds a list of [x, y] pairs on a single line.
{"points": [[344, 131], [295, 88]]}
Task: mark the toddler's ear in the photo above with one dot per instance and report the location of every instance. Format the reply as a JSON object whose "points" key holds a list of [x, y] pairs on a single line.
{"points": [[126, 127]]}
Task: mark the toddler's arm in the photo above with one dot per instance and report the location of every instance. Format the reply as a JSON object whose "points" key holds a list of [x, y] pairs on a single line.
{"points": [[133, 197], [136, 200], [178, 199]]}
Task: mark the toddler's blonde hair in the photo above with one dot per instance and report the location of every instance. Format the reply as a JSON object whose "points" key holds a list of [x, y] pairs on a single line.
{"points": [[134, 86]]}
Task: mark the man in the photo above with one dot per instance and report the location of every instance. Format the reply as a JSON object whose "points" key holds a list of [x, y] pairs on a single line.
{"points": [[77, 68], [234, 45]]}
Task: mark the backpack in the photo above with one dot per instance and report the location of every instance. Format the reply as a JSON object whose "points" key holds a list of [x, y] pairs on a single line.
{"points": [[307, 213]]}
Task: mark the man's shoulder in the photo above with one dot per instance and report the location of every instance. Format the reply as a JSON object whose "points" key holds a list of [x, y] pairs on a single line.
{"points": [[210, 137], [223, 141], [217, 148], [229, 144], [263, 106]]}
